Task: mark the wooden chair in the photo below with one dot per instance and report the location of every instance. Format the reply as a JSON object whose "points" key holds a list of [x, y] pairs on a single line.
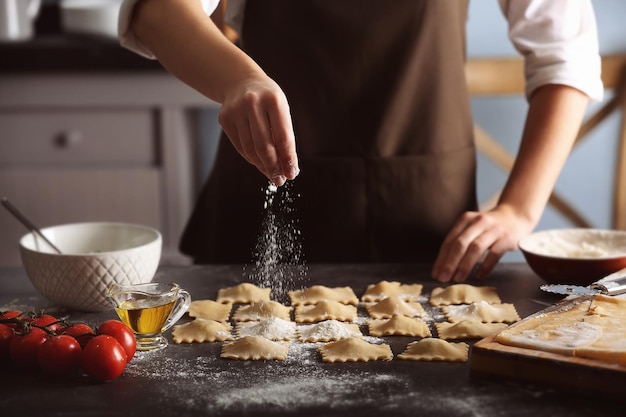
{"points": [[505, 77]]}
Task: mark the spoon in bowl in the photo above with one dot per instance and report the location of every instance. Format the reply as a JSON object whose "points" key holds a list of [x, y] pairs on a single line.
{"points": [[18, 215]]}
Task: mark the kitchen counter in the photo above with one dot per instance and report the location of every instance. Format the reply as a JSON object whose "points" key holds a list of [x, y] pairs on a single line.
{"points": [[191, 379], [73, 53]]}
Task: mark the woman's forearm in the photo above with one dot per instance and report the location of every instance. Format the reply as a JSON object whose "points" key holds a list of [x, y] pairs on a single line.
{"points": [[190, 46], [554, 117], [254, 114]]}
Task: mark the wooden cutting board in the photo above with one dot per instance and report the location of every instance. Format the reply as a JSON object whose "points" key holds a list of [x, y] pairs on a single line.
{"points": [[489, 358]]}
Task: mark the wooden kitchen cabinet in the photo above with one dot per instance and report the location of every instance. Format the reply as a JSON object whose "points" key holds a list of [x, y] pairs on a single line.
{"points": [[98, 147]]}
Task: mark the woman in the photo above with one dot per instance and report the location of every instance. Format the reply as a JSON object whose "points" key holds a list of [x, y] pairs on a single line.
{"points": [[372, 94]]}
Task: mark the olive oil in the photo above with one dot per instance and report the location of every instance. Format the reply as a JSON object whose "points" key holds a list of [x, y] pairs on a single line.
{"points": [[149, 310], [144, 320]]}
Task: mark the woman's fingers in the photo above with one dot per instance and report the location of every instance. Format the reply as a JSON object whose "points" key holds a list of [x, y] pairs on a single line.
{"points": [[475, 244], [454, 248], [258, 123], [284, 140]]}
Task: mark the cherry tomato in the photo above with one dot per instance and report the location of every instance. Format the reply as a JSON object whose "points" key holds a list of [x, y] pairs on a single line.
{"points": [[48, 321], [6, 334], [79, 331], [24, 347], [60, 355], [104, 359], [11, 314], [122, 333]]}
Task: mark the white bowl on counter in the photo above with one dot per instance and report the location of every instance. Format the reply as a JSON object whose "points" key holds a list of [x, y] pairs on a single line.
{"points": [[93, 256], [95, 17], [577, 256]]}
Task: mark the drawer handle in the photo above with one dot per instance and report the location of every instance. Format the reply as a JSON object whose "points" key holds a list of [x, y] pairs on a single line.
{"points": [[69, 138]]}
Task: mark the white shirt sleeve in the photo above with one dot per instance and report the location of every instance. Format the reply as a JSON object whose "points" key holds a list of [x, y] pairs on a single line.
{"points": [[234, 14], [129, 40], [559, 42]]}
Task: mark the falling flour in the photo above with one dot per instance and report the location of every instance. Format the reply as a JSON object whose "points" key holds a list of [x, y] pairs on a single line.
{"points": [[278, 257]]}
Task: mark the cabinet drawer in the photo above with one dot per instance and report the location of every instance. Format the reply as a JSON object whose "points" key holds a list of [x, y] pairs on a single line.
{"points": [[77, 137]]}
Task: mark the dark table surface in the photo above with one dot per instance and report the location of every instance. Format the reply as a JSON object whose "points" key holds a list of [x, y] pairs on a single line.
{"points": [[191, 379]]}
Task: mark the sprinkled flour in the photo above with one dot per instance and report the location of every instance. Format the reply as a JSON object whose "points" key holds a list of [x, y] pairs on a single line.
{"points": [[326, 330], [296, 383], [278, 257], [273, 328], [18, 305]]}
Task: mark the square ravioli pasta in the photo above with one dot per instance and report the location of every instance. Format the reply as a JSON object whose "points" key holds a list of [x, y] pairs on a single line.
{"points": [[255, 348], [259, 310], [243, 293], [317, 293], [209, 310], [467, 329], [325, 310], [463, 294], [384, 289], [482, 311], [399, 326], [201, 330], [432, 349], [395, 306], [355, 349]]}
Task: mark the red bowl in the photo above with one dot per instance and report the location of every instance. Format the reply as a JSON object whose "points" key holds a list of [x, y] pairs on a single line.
{"points": [[575, 256]]}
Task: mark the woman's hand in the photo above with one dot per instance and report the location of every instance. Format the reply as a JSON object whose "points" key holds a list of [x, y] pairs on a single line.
{"points": [[256, 118], [479, 237]]}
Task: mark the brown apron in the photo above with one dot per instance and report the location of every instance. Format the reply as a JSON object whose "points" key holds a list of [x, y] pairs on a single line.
{"points": [[383, 132]]}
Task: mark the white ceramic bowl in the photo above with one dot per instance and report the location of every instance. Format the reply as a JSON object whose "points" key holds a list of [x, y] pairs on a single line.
{"points": [[94, 255], [97, 17], [575, 256]]}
